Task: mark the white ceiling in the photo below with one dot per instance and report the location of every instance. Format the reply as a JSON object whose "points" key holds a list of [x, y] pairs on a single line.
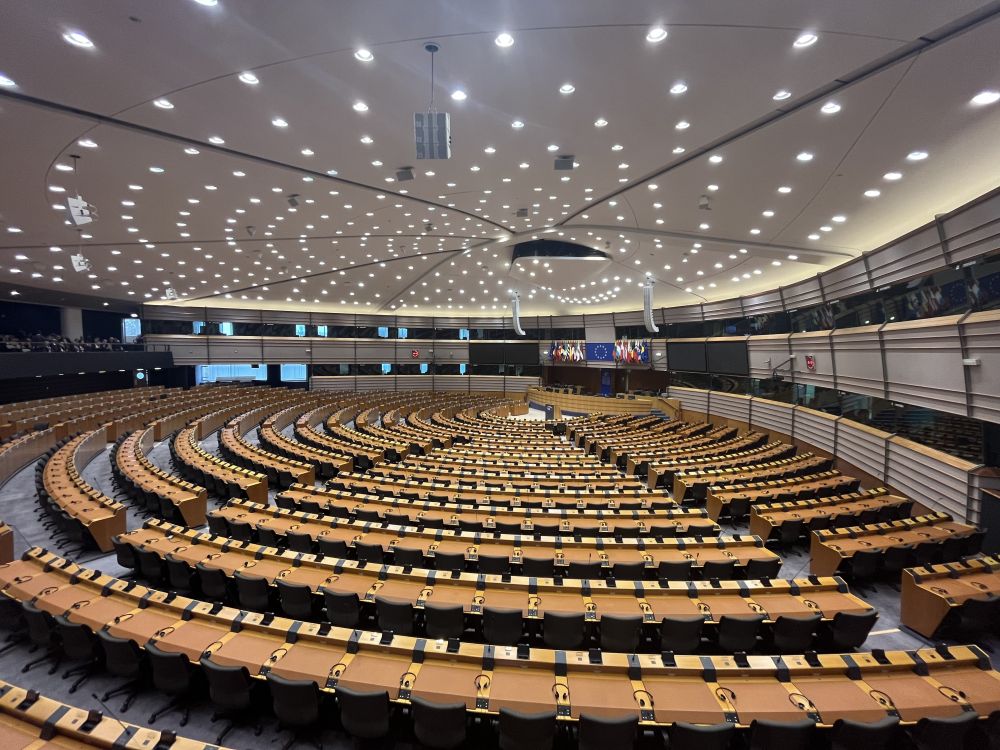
{"points": [[362, 243]]}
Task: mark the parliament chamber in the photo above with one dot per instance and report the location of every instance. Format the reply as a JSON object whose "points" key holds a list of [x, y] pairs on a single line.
{"points": [[509, 375]]}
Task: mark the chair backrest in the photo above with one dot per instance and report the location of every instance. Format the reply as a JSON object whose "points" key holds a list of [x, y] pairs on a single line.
{"points": [[681, 634], [229, 687], [394, 615], [77, 641], [538, 567], [364, 714], [41, 626], [438, 725], [563, 630], [601, 732], [795, 634], [520, 731], [253, 591], [629, 571], [739, 632], [852, 735], [850, 629], [124, 552], [241, 531], [947, 732], [299, 541], [122, 656], [756, 569], [580, 569], [724, 570], [171, 671], [450, 561], [213, 581], [343, 609], [620, 633], [444, 620], [494, 564], [502, 627], [685, 736], [674, 570], [779, 735], [332, 547], [295, 702], [369, 552], [408, 557], [218, 525], [296, 599], [268, 536], [179, 573]]}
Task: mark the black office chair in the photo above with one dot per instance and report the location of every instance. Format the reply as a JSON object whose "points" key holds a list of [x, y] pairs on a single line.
{"points": [[629, 571], [296, 703], [241, 531], [213, 582], [976, 616], [620, 633], [233, 694], [335, 548], [299, 541], [394, 615], [973, 543], [173, 675], [269, 537], [739, 632], [723, 570], [757, 569], [408, 557], [151, 566], [789, 532], [494, 564], [600, 732], [217, 524], [849, 630], [502, 627], [366, 553], [682, 635], [42, 634], [180, 575], [684, 736], [674, 570], [864, 565], [780, 735], [563, 630], [364, 714], [122, 658], [444, 620], [124, 552], [950, 732], [296, 599], [438, 725], [519, 731], [795, 634], [78, 643], [852, 735], [538, 567], [579, 569], [739, 508], [343, 609], [449, 561], [896, 559], [253, 592]]}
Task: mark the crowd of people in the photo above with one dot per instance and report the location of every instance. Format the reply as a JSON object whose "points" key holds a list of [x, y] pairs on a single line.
{"points": [[53, 342]]}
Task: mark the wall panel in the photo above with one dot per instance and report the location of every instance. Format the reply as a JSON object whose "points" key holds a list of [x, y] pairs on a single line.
{"points": [[817, 344], [730, 406], [858, 354], [922, 474], [915, 255], [862, 446], [816, 428], [982, 340], [772, 416], [923, 363], [766, 353]]}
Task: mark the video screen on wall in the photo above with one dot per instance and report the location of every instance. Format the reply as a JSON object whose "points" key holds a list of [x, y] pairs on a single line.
{"points": [[503, 353], [728, 358], [688, 356]]}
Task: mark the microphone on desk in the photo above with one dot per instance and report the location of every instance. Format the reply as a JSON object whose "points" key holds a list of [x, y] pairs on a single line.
{"points": [[130, 731]]}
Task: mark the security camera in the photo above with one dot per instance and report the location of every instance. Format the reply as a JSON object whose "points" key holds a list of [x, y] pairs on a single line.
{"points": [[251, 231], [705, 203]]}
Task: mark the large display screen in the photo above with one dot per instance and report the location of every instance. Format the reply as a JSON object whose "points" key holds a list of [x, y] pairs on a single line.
{"points": [[489, 353], [728, 358], [688, 356]]}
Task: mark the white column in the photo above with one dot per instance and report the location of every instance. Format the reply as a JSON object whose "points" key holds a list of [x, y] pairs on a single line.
{"points": [[71, 322]]}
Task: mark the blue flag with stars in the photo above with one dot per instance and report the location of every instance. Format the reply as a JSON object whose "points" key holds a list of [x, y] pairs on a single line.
{"points": [[600, 352]]}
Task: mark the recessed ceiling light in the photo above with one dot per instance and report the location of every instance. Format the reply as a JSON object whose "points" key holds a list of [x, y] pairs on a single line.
{"points": [[678, 149], [715, 158], [524, 165], [16, 230], [743, 250], [830, 108], [916, 156], [682, 125], [793, 257], [163, 103], [713, 187], [6, 82], [459, 96], [781, 95], [986, 97], [364, 55], [656, 34], [359, 107], [839, 218], [517, 124], [768, 213], [806, 39], [504, 40], [87, 143], [600, 122], [784, 189], [191, 151], [216, 140], [249, 78], [489, 150], [814, 236], [567, 88], [367, 140], [703, 225], [279, 122], [552, 147], [135, 187], [207, 3], [873, 193], [78, 39], [678, 88], [617, 147], [804, 156], [892, 176], [156, 170]]}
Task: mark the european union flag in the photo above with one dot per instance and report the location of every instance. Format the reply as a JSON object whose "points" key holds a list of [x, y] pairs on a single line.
{"points": [[600, 352]]}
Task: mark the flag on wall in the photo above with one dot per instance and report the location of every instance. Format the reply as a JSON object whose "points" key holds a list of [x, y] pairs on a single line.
{"points": [[600, 352]]}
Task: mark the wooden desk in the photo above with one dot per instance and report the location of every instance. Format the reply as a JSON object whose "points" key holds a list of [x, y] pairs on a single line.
{"points": [[766, 520], [560, 549], [930, 593], [697, 483], [811, 485], [829, 549], [6, 543], [658, 689], [189, 500]]}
